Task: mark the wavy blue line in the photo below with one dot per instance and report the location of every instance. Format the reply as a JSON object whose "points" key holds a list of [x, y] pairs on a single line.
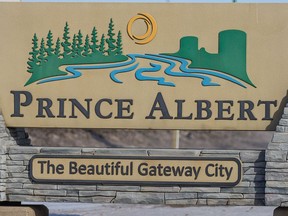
{"points": [[76, 73], [155, 68], [184, 68], [124, 70], [206, 81]]}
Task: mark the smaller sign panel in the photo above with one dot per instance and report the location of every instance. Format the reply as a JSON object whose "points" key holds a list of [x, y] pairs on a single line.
{"points": [[222, 172]]}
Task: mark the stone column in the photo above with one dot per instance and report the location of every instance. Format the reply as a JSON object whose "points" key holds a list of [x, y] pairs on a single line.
{"points": [[8, 137], [276, 192]]}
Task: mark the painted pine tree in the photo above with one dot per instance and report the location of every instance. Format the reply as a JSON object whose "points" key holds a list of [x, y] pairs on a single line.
{"points": [[42, 53], [102, 45], [94, 46], [66, 44], [119, 49], [86, 49], [110, 40], [49, 45], [57, 48], [32, 61], [74, 46], [79, 43]]}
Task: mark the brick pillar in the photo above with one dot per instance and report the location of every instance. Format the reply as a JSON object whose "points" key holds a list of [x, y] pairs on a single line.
{"points": [[8, 137], [276, 192]]}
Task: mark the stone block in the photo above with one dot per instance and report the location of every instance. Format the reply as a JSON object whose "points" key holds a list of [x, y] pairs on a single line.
{"points": [[61, 199], [255, 196], [269, 190], [278, 146], [201, 202], [282, 129], [252, 156], [244, 190], [19, 191], [181, 202], [49, 192], [16, 169], [275, 199], [220, 196], [283, 122], [23, 174], [254, 165], [217, 202], [277, 165], [72, 193], [276, 171], [276, 184], [14, 185], [160, 189], [23, 150], [285, 112], [40, 186], [253, 178], [24, 198], [246, 202], [273, 176], [3, 174], [20, 157], [117, 188], [96, 193], [200, 189], [139, 198], [280, 137], [117, 151], [173, 152], [77, 187], [88, 151], [60, 150], [14, 163], [254, 171], [273, 156], [176, 196], [18, 180], [100, 199]]}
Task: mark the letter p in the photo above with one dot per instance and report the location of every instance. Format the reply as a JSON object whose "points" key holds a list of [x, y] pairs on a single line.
{"points": [[17, 101]]}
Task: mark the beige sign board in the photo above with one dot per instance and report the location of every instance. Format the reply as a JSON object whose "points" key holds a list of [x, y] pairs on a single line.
{"points": [[172, 66], [195, 171]]}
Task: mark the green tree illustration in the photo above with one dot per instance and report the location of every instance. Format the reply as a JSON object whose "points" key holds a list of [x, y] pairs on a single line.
{"points": [[86, 46], [57, 48], [49, 44], [102, 44], [74, 46], [94, 46], [42, 56], [66, 44], [110, 40], [119, 49], [79, 43], [32, 61]]}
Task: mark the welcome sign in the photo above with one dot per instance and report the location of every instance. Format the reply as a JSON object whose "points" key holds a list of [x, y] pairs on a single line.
{"points": [[156, 66]]}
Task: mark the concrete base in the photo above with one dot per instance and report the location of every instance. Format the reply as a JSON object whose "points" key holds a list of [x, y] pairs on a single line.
{"points": [[35, 210], [280, 211]]}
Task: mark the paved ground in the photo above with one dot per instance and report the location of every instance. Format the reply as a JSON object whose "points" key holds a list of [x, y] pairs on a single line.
{"points": [[75, 209]]}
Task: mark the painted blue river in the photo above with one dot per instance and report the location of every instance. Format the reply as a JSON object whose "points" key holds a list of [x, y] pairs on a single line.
{"points": [[169, 63]]}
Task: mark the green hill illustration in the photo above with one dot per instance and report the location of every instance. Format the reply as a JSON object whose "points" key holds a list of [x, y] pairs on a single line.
{"points": [[230, 59], [45, 59]]}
